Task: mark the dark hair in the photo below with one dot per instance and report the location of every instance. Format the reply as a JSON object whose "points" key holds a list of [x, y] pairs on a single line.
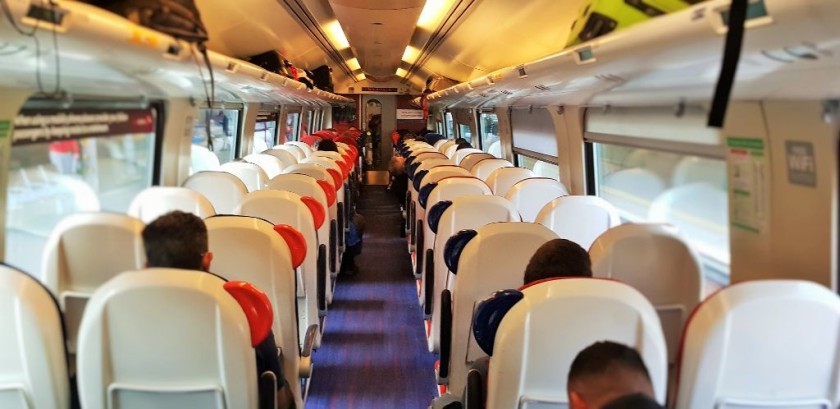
{"points": [[634, 401], [176, 240], [463, 145], [327, 145], [600, 357], [558, 258]]}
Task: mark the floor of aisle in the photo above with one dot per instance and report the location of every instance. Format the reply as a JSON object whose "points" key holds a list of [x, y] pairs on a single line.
{"points": [[373, 353]]}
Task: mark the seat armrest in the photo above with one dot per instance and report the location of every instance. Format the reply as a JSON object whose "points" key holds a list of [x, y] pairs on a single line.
{"points": [[445, 333], [474, 392], [305, 366], [322, 277], [429, 282], [267, 390]]}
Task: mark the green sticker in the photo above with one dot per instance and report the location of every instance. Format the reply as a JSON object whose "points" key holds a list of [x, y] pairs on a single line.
{"points": [[5, 129]]}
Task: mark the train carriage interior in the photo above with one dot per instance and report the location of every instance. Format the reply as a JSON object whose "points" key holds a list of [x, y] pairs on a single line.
{"points": [[376, 177]]}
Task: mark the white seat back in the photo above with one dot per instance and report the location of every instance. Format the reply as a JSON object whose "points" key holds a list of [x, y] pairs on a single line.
{"points": [[502, 179], [484, 168], [542, 334], [252, 175], [307, 150], [332, 167], [298, 153], [287, 208], [326, 154], [442, 148], [463, 153], [155, 201], [439, 143], [202, 159], [489, 262], [450, 150], [33, 362], [270, 164], [472, 159], [248, 249], [495, 149], [222, 189], [530, 195], [165, 338], [286, 154], [653, 259], [83, 252], [763, 344], [580, 219], [465, 213]]}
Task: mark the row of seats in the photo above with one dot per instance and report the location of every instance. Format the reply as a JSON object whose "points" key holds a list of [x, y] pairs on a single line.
{"points": [[276, 233], [465, 213]]}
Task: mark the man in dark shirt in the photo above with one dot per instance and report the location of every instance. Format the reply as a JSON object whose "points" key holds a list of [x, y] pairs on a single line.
{"points": [[179, 240], [609, 375], [558, 258]]}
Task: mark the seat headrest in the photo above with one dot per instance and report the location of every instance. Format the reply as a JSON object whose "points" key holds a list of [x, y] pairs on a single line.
{"points": [[419, 178], [296, 242], [412, 169], [328, 190], [425, 191], [454, 246], [317, 210], [410, 160], [435, 213], [337, 177], [488, 315], [256, 306]]}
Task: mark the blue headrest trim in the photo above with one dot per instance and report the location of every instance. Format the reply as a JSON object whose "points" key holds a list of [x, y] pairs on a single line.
{"points": [[454, 246], [410, 160], [423, 194], [419, 178], [435, 213], [412, 170], [488, 315]]}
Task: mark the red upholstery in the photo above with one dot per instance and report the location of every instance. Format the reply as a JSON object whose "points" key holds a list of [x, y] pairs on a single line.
{"points": [[296, 242], [256, 306], [318, 211]]}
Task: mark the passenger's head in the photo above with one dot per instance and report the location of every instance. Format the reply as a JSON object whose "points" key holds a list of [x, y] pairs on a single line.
{"points": [[604, 372], [327, 145], [635, 401], [463, 145], [177, 240], [558, 258]]}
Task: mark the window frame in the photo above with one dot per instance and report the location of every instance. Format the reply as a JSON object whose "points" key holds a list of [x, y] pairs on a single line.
{"points": [[240, 122]]}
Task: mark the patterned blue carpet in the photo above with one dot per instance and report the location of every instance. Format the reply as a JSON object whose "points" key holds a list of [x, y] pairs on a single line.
{"points": [[373, 354]]}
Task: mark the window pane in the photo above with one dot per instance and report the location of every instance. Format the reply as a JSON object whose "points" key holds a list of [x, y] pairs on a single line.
{"points": [[292, 128], [223, 126], [688, 192], [307, 124], [439, 127], [489, 129], [540, 168], [465, 132], [264, 131], [450, 125], [50, 180]]}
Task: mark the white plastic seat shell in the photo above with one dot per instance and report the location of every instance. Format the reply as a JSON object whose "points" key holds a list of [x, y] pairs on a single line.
{"points": [[580, 219], [271, 165], [763, 344], [165, 338], [652, 258], [530, 195], [33, 373], [484, 168], [222, 189], [502, 179], [534, 347], [254, 177], [156, 201]]}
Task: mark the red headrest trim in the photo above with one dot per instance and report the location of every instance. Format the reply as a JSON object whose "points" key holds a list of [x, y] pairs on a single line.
{"points": [[317, 210], [328, 190], [256, 306], [294, 239], [337, 178]]}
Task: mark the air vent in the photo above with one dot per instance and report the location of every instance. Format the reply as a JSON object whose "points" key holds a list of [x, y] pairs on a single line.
{"points": [[541, 87], [506, 92], [610, 78], [521, 70], [232, 66], [585, 55], [52, 15]]}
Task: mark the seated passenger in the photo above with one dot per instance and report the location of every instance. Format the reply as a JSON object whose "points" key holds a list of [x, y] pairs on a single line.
{"points": [[179, 240], [608, 375], [558, 258], [635, 401], [327, 145], [353, 239]]}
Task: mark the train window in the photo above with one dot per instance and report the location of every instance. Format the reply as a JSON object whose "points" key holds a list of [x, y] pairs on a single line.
{"points": [[465, 132], [308, 123], [292, 126], [450, 125], [68, 161], [541, 168], [224, 124], [265, 131], [533, 130], [488, 128], [688, 192], [439, 127]]}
